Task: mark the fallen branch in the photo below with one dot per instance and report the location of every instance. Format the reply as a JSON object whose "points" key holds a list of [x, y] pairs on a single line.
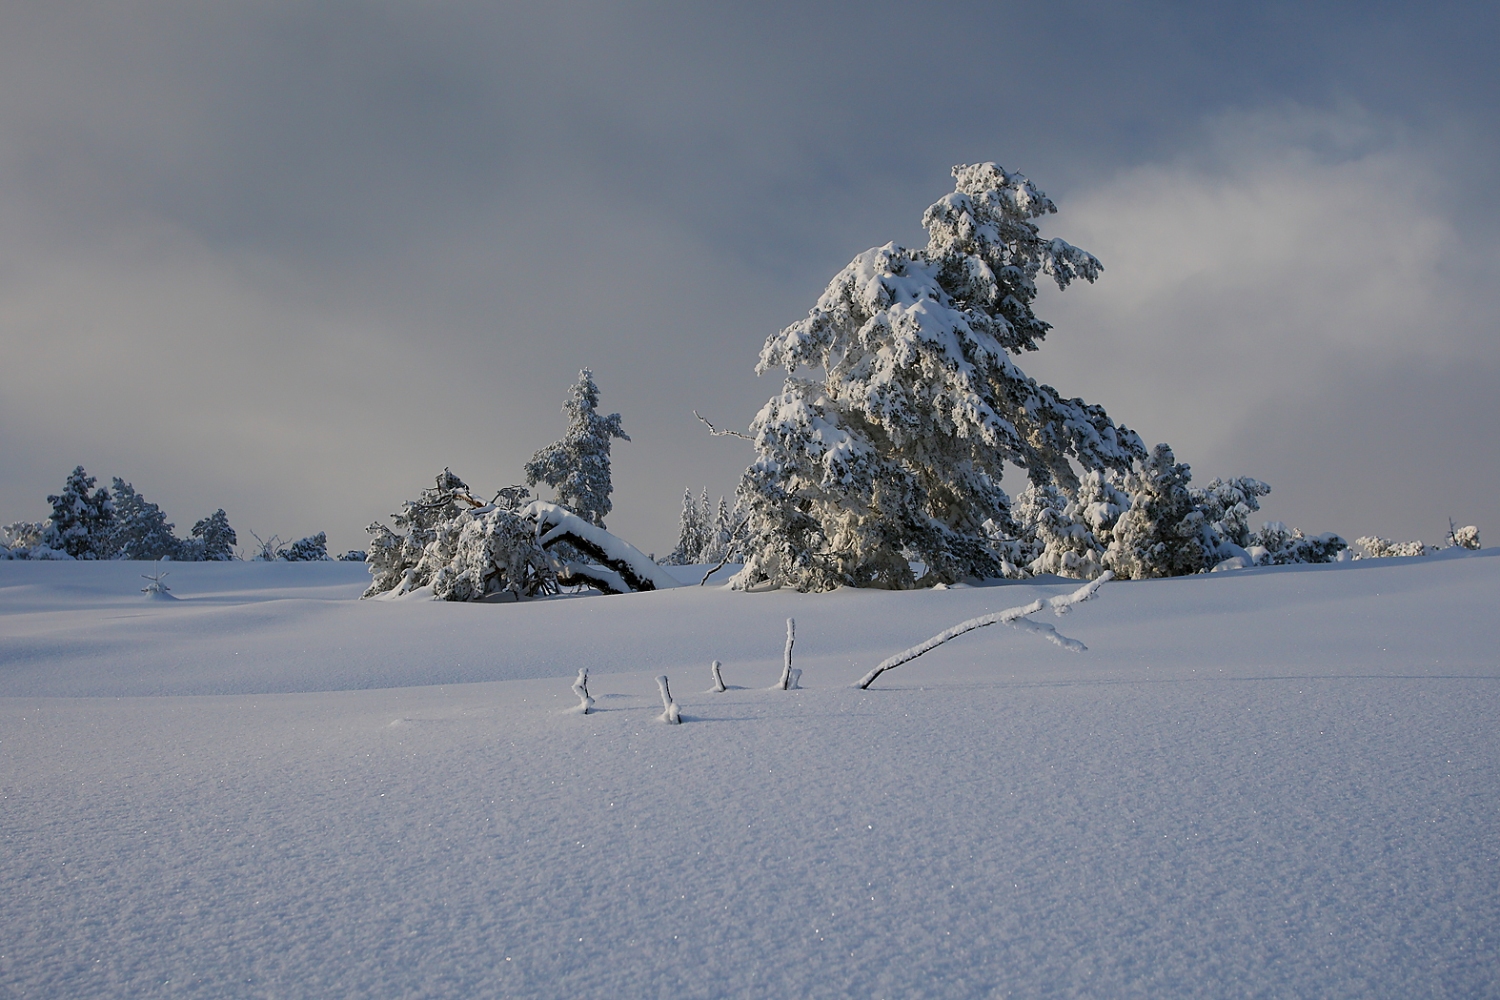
{"points": [[1010, 616]]}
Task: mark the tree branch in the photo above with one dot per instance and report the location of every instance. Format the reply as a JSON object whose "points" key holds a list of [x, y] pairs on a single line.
{"points": [[718, 433]]}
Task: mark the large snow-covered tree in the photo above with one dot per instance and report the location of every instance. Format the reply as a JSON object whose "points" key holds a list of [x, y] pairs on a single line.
{"points": [[577, 467], [902, 404]]}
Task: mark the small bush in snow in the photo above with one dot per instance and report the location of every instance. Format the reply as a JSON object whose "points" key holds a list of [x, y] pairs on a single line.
{"points": [[1466, 537], [464, 549], [353, 555], [1383, 548], [313, 548], [1276, 545]]}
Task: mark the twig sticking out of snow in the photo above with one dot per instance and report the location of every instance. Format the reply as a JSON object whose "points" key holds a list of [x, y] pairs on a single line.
{"points": [[796, 680], [581, 689], [785, 681], [1010, 616], [669, 714], [156, 587], [718, 687]]}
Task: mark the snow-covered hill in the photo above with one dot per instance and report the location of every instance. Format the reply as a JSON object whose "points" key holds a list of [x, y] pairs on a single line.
{"points": [[1280, 782]]}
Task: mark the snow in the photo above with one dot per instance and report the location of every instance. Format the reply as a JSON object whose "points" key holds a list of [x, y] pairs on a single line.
{"points": [[1274, 782]]}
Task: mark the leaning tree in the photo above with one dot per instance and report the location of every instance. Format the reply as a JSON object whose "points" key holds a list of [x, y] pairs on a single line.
{"points": [[578, 465], [902, 405]]}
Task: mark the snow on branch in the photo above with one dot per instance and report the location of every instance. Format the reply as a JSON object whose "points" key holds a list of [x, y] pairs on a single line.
{"points": [[581, 689], [629, 564], [670, 713], [724, 433], [719, 686], [1016, 617], [784, 682]]}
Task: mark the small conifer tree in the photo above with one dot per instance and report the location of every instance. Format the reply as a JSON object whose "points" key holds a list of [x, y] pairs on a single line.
{"points": [[577, 467], [82, 521]]}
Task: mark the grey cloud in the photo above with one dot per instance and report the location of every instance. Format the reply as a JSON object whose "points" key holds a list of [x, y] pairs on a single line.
{"points": [[313, 254]]}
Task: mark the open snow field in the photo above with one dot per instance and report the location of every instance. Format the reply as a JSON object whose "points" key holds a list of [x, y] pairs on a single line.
{"points": [[1271, 783]]}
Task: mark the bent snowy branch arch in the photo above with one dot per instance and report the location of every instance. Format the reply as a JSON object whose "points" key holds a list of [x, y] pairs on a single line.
{"points": [[1011, 616]]}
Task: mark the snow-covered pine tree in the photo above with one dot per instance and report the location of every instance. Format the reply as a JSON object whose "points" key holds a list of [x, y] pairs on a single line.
{"points": [[890, 447], [313, 548], [141, 530], [82, 521], [577, 467], [213, 539], [692, 533]]}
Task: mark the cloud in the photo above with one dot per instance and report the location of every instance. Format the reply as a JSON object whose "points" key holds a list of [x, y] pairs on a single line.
{"points": [[1293, 269]]}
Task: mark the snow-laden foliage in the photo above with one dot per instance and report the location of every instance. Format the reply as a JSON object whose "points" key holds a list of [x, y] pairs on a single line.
{"points": [[1383, 548], [578, 465], [1165, 532], [118, 524], [24, 540], [82, 522], [1466, 537], [213, 539], [463, 548], [902, 404], [468, 550], [1277, 545], [313, 548], [141, 530]]}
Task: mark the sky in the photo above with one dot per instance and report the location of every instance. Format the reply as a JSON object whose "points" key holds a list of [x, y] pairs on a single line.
{"points": [[293, 260]]}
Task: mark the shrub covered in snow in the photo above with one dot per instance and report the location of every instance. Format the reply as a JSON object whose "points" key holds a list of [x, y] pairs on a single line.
{"points": [[463, 548], [1466, 537], [1383, 548], [468, 550], [1276, 545], [895, 453], [313, 548], [578, 465]]}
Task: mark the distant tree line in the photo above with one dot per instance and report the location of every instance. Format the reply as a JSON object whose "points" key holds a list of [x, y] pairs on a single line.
{"points": [[120, 523]]}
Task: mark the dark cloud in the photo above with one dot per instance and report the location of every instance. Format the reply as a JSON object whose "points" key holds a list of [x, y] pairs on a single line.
{"points": [[294, 259]]}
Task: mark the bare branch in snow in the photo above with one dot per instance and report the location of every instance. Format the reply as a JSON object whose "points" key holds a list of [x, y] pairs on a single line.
{"points": [[1010, 616], [669, 714]]}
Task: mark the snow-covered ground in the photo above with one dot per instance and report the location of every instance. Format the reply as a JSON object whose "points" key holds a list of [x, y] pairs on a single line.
{"points": [[1279, 783]]}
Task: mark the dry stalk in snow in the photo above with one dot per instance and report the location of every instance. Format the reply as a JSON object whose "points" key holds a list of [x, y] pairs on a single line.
{"points": [[784, 682], [669, 714], [718, 687], [581, 689]]}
